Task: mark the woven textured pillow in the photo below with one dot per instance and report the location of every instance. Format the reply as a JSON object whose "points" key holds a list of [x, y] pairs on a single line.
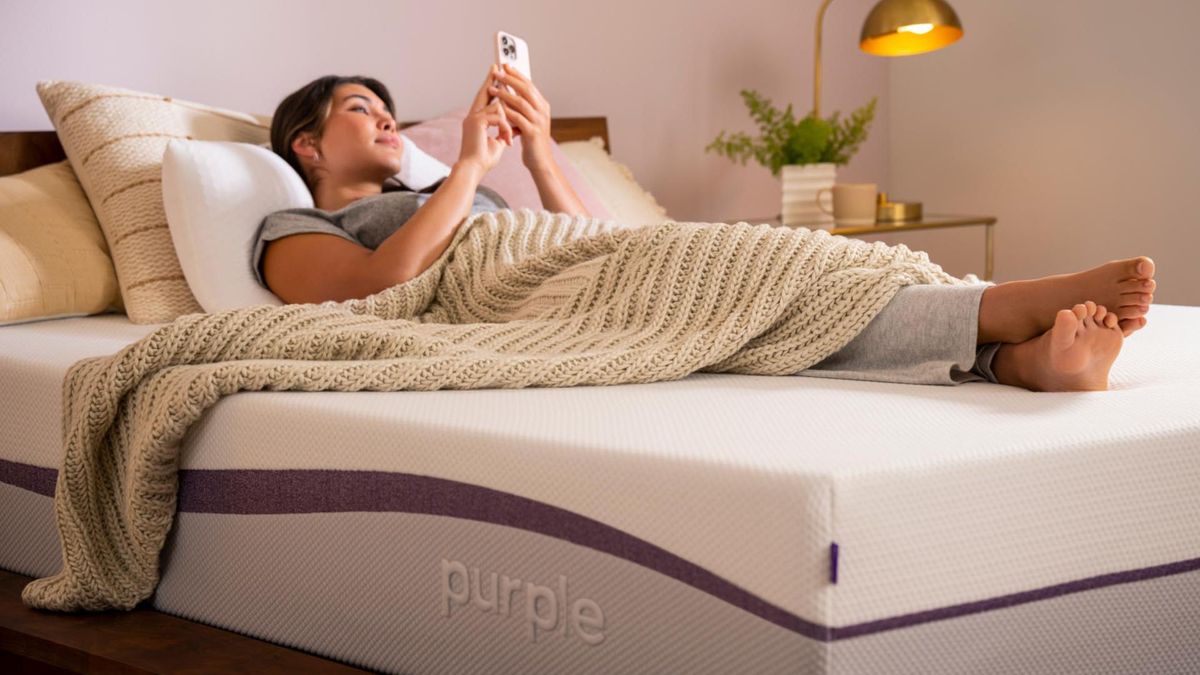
{"points": [[53, 259], [114, 139], [613, 182]]}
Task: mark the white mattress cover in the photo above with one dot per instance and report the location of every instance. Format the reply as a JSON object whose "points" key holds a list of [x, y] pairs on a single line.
{"points": [[936, 496]]}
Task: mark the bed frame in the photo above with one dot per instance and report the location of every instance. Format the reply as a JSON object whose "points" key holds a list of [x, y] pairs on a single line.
{"points": [[144, 639]]}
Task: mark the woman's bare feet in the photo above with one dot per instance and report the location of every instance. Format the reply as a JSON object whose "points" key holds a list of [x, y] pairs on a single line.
{"points": [[1074, 355], [1016, 311]]}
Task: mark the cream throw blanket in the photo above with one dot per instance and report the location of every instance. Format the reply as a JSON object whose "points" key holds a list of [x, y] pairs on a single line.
{"points": [[519, 299]]}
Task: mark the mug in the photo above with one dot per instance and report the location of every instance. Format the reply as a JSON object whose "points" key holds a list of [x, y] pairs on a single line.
{"points": [[853, 203]]}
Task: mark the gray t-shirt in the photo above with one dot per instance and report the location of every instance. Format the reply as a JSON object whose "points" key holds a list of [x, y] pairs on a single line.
{"points": [[367, 221]]}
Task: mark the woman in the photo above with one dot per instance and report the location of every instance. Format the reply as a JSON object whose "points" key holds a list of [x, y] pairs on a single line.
{"points": [[368, 233]]}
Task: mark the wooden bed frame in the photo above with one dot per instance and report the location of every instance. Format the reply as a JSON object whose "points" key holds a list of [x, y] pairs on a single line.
{"points": [[144, 639]]}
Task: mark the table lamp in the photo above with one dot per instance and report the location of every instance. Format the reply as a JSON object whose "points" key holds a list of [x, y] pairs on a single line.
{"points": [[896, 28]]}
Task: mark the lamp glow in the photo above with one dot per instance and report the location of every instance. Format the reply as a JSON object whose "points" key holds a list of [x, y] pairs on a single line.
{"points": [[916, 28]]}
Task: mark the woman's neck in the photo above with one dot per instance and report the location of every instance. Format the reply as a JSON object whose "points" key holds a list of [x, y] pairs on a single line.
{"points": [[331, 196]]}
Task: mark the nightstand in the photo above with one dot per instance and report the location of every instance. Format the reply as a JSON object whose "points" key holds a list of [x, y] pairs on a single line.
{"points": [[929, 221]]}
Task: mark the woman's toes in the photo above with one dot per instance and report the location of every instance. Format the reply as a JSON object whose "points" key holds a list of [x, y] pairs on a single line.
{"points": [[1129, 326], [1137, 285], [1065, 324], [1080, 311], [1141, 267], [1145, 267], [1131, 311], [1110, 321], [1101, 311]]}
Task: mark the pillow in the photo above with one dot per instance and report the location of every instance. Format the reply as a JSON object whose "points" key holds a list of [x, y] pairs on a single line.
{"points": [[114, 139], [216, 193], [418, 169], [53, 259], [441, 137], [613, 183]]}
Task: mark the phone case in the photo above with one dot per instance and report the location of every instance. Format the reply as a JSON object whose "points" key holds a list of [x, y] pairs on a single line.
{"points": [[512, 50]]}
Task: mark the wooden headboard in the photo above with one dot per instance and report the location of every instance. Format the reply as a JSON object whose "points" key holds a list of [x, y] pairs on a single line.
{"points": [[23, 150]]}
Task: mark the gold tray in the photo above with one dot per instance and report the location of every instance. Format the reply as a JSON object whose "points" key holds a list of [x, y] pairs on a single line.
{"points": [[898, 212]]}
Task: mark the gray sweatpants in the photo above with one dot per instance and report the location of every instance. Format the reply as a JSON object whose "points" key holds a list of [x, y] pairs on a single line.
{"points": [[925, 335]]}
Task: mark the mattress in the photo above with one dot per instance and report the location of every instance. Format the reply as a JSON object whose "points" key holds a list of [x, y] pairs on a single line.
{"points": [[718, 523]]}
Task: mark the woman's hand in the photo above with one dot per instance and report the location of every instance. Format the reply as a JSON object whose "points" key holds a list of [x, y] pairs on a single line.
{"points": [[477, 146], [529, 112]]}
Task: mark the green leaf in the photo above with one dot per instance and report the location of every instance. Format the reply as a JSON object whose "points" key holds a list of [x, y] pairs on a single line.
{"points": [[807, 140], [849, 134], [784, 140]]}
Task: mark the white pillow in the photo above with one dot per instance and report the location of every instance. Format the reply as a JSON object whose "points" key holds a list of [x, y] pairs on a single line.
{"points": [[216, 194], [419, 169]]}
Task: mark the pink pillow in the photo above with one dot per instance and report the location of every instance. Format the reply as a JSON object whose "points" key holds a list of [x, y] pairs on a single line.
{"points": [[442, 138]]}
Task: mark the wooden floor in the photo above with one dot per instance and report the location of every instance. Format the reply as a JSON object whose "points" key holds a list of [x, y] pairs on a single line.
{"points": [[138, 641]]}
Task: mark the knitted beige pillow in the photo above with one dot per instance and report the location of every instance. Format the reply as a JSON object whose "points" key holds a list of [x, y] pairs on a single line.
{"points": [[613, 183], [53, 260], [115, 140]]}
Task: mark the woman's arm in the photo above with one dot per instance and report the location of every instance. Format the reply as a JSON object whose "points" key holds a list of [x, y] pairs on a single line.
{"points": [[316, 267], [554, 189], [422, 239]]}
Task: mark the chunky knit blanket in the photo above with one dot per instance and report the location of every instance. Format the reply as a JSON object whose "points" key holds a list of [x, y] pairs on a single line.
{"points": [[520, 298]]}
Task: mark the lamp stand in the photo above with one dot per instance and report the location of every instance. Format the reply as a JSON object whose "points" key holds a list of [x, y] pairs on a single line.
{"points": [[816, 109]]}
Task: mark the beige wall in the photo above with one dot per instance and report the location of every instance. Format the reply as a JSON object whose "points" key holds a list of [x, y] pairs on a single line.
{"points": [[1074, 122], [665, 73]]}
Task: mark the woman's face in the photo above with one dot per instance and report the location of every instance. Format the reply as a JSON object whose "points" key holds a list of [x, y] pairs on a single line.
{"points": [[360, 141]]}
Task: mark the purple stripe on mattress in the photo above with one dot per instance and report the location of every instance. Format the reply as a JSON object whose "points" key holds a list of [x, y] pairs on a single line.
{"points": [[29, 477], [990, 604], [246, 491]]}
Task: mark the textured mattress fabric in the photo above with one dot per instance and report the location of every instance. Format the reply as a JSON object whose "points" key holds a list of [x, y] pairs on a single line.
{"points": [[716, 523]]}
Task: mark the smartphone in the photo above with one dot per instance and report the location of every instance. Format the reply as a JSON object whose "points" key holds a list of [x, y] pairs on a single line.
{"points": [[512, 50]]}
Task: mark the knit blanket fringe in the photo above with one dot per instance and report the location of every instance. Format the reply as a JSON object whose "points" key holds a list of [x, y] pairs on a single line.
{"points": [[520, 298]]}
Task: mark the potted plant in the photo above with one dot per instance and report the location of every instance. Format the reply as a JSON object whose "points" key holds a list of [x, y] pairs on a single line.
{"points": [[807, 151]]}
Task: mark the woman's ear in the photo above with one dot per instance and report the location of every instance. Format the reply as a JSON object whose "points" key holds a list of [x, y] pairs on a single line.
{"points": [[305, 147]]}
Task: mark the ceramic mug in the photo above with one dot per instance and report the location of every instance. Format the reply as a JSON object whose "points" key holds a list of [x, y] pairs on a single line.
{"points": [[853, 203]]}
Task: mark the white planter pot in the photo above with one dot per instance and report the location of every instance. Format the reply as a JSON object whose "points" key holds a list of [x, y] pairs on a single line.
{"points": [[800, 185]]}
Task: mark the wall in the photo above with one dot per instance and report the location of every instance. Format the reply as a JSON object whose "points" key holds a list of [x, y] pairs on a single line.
{"points": [[666, 74], [1074, 122]]}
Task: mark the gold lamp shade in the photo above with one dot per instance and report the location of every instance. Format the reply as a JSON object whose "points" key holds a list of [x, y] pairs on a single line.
{"points": [[903, 27]]}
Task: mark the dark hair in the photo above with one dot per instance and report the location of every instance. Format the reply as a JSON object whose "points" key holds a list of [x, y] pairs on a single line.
{"points": [[307, 108]]}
